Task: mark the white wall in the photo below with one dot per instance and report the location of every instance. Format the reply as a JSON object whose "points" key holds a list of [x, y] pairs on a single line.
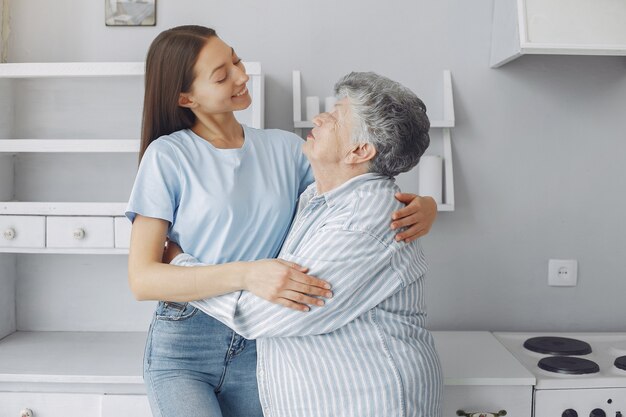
{"points": [[539, 147]]}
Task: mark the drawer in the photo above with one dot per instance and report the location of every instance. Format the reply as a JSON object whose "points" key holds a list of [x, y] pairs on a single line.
{"points": [[49, 404], [22, 231], [125, 405], [122, 232], [516, 400], [79, 232]]}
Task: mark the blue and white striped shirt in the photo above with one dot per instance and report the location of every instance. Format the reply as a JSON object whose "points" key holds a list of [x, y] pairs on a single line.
{"points": [[366, 352]]}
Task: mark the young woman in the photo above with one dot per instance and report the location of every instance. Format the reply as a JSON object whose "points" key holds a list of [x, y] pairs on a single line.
{"points": [[226, 193]]}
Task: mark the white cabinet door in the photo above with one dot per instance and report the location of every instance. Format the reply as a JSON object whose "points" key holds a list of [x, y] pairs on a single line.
{"points": [[125, 405], [515, 400], [49, 404], [79, 232], [22, 231]]}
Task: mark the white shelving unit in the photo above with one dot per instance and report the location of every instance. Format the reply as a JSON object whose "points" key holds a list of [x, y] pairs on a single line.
{"points": [[71, 335], [12, 146], [557, 27], [444, 124]]}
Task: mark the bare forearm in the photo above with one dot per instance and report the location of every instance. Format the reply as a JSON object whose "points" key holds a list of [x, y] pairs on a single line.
{"points": [[157, 281]]}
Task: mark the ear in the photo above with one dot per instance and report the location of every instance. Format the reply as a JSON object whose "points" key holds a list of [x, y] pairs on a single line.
{"points": [[185, 101], [361, 153]]}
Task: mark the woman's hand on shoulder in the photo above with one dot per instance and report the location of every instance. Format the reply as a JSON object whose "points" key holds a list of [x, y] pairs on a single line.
{"points": [[418, 216], [285, 283]]}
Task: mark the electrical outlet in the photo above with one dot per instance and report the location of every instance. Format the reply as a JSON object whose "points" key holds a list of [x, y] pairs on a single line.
{"points": [[562, 272]]}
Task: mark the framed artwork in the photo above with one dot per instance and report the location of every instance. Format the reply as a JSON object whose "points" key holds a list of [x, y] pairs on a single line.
{"points": [[130, 12]]}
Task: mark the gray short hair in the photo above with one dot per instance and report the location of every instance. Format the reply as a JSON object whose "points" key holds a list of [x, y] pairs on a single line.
{"points": [[390, 117]]}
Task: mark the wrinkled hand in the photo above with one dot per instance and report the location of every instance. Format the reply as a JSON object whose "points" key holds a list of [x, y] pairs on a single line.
{"points": [[418, 216], [285, 283]]}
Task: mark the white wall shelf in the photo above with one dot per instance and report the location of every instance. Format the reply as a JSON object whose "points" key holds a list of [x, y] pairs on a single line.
{"points": [[27, 208], [557, 27], [68, 145], [71, 69], [70, 251], [446, 123], [16, 144]]}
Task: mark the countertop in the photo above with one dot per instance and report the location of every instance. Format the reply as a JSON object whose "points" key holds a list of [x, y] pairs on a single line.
{"points": [[52, 361], [478, 358]]}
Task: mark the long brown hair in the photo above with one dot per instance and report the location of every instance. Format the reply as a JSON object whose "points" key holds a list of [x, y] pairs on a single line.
{"points": [[169, 72]]}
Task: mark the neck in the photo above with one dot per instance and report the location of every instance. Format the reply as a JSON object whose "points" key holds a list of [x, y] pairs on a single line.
{"points": [[221, 130], [327, 179]]}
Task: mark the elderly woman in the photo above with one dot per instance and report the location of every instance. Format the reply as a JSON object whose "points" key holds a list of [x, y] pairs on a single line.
{"points": [[365, 352]]}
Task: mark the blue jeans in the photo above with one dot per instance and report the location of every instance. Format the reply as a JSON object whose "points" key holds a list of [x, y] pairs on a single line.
{"points": [[196, 366]]}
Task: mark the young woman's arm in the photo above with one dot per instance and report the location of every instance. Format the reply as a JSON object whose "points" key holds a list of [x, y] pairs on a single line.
{"points": [[150, 279]]}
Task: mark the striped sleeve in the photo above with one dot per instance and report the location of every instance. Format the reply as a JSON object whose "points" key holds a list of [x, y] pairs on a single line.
{"points": [[357, 266]]}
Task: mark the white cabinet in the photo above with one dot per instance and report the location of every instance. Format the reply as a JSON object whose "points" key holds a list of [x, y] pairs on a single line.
{"points": [[407, 181], [481, 376], [79, 232], [48, 405], [487, 399], [71, 334], [557, 27], [22, 232]]}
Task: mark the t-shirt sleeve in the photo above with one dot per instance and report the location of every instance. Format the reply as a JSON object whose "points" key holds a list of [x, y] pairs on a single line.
{"points": [[157, 184]]}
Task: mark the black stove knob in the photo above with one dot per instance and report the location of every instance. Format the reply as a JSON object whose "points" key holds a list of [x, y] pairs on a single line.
{"points": [[597, 412], [569, 413]]}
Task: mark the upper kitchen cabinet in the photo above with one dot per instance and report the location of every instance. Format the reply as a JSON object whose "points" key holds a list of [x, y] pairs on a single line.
{"points": [[557, 27]]}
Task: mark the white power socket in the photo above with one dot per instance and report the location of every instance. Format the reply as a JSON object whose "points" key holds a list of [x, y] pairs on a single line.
{"points": [[562, 272]]}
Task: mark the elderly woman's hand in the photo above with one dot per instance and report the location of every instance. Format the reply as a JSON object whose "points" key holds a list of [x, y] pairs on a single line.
{"points": [[418, 216]]}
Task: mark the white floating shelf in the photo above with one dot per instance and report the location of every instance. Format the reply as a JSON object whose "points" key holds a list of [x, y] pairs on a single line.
{"points": [[446, 123], [71, 69], [71, 251], [61, 209], [86, 69], [435, 124], [69, 145]]}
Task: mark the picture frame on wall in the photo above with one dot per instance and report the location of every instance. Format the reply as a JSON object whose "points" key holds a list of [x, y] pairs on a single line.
{"points": [[130, 12]]}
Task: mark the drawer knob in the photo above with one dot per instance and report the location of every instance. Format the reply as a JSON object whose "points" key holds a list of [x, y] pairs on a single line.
{"points": [[480, 414], [27, 412], [9, 234], [79, 234]]}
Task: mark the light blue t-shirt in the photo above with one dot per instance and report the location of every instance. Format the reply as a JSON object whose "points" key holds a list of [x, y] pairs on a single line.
{"points": [[223, 205]]}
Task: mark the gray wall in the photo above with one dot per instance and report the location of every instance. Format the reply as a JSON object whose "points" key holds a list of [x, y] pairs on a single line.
{"points": [[539, 147]]}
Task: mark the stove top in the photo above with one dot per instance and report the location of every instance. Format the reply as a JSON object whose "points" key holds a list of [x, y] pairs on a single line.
{"points": [[572, 360]]}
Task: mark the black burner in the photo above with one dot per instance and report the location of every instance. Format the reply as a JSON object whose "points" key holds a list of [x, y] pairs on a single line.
{"points": [[621, 362], [557, 346], [568, 365]]}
